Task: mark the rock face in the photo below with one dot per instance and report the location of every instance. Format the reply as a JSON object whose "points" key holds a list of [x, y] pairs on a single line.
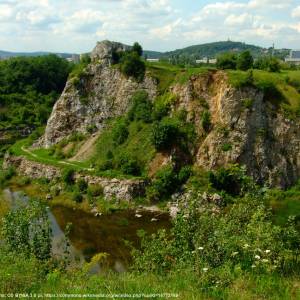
{"points": [[101, 92], [119, 189], [245, 129], [105, 50], [29, 168]]}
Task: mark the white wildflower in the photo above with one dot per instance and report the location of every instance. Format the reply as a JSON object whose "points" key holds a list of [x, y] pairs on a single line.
{"points": [[205, 269], [257, 256], [200, 248], [268, 251], [265, 260]]}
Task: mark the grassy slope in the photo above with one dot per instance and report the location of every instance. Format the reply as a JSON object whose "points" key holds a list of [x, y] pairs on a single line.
{"points": [[287, 84], [138, 144]]}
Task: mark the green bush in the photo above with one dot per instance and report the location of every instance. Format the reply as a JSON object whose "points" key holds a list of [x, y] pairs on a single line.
{"points": [[141, 107], [206, 120], [133, 66], [164, 183], [220, 247], [227, 61], [184, 174], [77, 197], [226, 147], [162, 106], [26, 230], [165, 134], [232, 180], [270, 64], [95, 190], [245, 61], [120, 132], [128, 164], [82, 185], [68, 176], [137, 48]]}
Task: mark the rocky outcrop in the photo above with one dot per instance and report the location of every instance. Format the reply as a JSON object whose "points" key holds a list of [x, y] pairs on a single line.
{"points": [[245, 129], [101, 92], [105, 51], [119, 189], [125, 189], [30, 168]]}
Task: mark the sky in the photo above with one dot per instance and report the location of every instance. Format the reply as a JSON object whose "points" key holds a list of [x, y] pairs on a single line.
{"points": [[76, 25]]}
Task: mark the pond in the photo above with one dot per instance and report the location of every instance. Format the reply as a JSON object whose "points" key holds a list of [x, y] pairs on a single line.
{"points": [[92, 234]]}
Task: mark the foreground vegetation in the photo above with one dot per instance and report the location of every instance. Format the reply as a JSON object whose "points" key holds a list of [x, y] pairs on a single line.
{"points": [[230, 249]]}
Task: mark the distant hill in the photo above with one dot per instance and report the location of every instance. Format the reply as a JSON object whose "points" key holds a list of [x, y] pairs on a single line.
{"points": [[211, 50], [7, 54]]}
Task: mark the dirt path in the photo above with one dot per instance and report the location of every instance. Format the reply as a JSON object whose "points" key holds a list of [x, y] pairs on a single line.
{"points": [[54, 161], [86, 150]]}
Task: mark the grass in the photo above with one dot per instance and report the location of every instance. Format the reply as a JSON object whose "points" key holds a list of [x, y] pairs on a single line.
{"points": [[43, 156], [20, 274], [138, 144], [168, 74], [281, 89]]}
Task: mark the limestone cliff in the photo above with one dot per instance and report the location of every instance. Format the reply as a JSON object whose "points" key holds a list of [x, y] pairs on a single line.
{"points": [[101, 92], [245, 129]]}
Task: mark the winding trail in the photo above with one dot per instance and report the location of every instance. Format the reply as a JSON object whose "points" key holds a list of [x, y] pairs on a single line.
{"points": [[52, 161]]}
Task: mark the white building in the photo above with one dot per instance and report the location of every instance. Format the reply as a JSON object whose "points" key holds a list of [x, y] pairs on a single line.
{"points": [[153, 59], [206, 60], [294, 57]]}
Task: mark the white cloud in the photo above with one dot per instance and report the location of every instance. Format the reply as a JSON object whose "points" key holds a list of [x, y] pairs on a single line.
{"points": [[296, 12], [239, 20], [76, 25]]}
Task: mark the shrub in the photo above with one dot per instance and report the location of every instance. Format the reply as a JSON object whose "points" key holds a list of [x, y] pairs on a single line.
{"points": [[164, 183], [165, 134], [77, 197], [82, 185], [120, 132], [6, 175], [27, 230], [128, 165], [68, 176], [95, 190], [184, 174], [141, 107], [137, 48], [248, 103], [231, 179], [270, 64], [162, 106], [206, 120], [226, 147], [227, 61], [240, 239], [132, 65], [245, 61]]}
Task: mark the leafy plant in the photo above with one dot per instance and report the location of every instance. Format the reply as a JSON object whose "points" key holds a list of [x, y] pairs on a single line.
{"points": [[27, 230], [206, 120]]}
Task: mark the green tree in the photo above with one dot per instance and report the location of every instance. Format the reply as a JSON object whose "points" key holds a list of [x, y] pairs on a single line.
{"points": [[227, 61], [245, 61], [137, 48], [132, 65]]}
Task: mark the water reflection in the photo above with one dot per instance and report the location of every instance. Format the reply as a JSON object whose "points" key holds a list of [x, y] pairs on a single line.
{"points": [[90, 235]]}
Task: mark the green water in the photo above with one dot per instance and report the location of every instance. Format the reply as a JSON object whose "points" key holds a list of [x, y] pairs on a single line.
{"points": [[92, 234]]}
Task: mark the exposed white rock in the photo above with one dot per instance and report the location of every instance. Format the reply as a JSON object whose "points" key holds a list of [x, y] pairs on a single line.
{"points": [[102, 92]]}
